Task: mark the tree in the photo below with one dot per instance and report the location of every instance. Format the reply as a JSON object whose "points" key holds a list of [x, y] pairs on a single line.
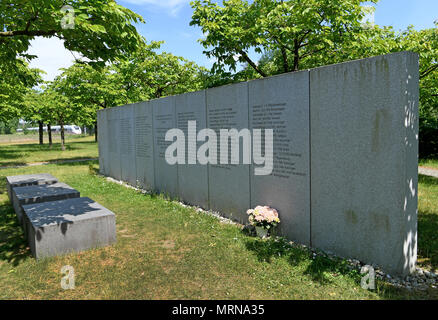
{"points": [[102, 30], [16, 78], [88, 90], [146, 74], [141, 75], [8, 127], [296, 29], [34, 109], [59, 108]]}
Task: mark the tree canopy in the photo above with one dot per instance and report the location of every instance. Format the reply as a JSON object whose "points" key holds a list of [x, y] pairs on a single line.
{"points": [[141, 75], [15, 80], [297, 30], [102, 30]]}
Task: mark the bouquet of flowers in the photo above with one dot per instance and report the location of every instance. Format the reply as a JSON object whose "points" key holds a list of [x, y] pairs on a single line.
{"points": [[264, 217]]}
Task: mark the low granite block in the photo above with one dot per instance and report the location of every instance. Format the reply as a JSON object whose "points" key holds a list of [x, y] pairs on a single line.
{"points": [[40, 193], [64, 226], [28, 180]]}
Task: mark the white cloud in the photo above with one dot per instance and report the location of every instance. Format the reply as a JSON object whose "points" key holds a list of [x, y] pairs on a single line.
{"points": [[51, 56], [172, 5]]}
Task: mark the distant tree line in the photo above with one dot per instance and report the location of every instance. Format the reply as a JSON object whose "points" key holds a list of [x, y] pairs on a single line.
{"points": [[121, 67]]}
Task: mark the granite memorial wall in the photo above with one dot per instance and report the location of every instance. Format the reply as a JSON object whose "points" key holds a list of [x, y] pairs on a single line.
{"points": [[345, 154]]}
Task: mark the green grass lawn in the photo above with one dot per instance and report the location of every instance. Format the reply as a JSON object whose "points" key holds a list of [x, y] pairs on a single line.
{"points": [[430, 163], [33, 137], [21, 153], [167, 251], [428, 222]]}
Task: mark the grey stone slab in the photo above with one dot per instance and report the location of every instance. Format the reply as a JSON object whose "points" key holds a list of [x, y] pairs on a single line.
{"points": [[127, 144], [99, 145], [114, 147], [144, 145], [281, 103], [64, 226], [102, 132], [192, 177], [40, 193], [28, 180], [229, 192], [364, 157], [166, 175]]}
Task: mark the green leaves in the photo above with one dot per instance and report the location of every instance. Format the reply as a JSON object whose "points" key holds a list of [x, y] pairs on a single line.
{"points": [[141, 75], [299, 29], [103, 30], [16, 78], [146, 74]]}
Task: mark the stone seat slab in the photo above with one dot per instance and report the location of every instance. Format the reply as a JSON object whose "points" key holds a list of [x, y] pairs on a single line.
{"points": [[40, 193], [64, 226], [28, 180]]}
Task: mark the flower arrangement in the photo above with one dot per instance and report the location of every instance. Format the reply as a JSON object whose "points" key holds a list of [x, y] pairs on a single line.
{"points": [[263, 217]]}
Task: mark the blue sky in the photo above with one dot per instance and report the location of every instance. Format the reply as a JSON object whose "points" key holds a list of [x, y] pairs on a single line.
{"points": [[168, 20]]}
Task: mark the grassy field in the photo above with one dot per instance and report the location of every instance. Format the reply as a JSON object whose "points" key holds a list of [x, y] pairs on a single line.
{"points": [[22, 152], [167, 251], [20, 138], [428, 222], [430, 163]]}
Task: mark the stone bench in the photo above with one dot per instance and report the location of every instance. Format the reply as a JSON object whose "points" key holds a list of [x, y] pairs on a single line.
{"points": [[40, 193], [72, 225], [28, 180]]}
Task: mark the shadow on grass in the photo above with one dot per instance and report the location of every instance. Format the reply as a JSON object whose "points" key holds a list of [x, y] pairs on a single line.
{"points": [[17, 151], [428, 228], [13, 247], [324, 270], [318, 268], [79, 163], [59, 161]]}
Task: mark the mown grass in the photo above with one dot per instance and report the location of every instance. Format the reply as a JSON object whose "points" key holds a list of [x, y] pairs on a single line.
{"points": [[429, 163], [20, 154], [428, 222], [167, 251], [33, 137]]}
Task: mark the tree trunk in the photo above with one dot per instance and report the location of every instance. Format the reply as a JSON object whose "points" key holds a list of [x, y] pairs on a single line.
{"points": [[95, 131], [285, 62], [62, 137], [49, 132], [296, 55], [41, 132]]}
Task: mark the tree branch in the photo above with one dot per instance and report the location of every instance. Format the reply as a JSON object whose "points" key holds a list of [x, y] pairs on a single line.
{"points": [[285, 62], [312, 52], [29, 33], [251, 63], [283, 53], [429, 71]]}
